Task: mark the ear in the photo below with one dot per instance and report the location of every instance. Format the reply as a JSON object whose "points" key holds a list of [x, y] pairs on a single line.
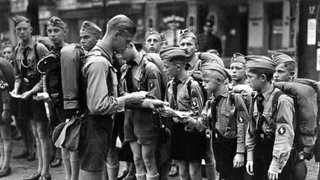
{"points": [[178, 66], [219, 80], [116, 34], [263, 77], [31, 29]]}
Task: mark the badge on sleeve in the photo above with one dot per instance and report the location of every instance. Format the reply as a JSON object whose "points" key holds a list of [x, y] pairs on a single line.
{"points": [[194, 102], [240, 120], [282, 130], [151, 85]]}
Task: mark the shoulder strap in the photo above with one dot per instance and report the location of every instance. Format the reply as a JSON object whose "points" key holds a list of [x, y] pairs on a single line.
{"points": [[36, 50], [189, 86], [275, 101]]}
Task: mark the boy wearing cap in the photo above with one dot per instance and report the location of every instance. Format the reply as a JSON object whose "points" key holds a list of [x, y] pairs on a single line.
{"points": [[89, 35], [56, 30], [238, 70], [270, 134], [284, 71], [152, 41], [185, 97], [225, 114], [28, 84]]}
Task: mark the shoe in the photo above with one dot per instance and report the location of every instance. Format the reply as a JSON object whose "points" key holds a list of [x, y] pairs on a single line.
{"points": [[34, 176], [56, 163], [123, 174], [5, 172], [23, 154], [48, 177], [130, 176], [31, 157], [174, 170]]}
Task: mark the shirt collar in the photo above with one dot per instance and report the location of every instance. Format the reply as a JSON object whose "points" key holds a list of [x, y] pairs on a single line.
{"points": [[30, 44], [182, 80], [193, 61], [105, 52], [224, 92], [138, 59]]}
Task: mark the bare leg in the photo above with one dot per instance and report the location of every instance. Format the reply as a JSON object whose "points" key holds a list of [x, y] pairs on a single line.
{"points": [[112, 164], [39, 152], [137, 157], [149, 159], [75, 165], [195, 170], [66, 163], [7, 147], [43, 134], [183, 170]]}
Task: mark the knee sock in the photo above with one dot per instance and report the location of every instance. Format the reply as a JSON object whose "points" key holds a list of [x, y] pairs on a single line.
{"points": [[152, 177], [113, 171], [141, 176], [210, 171]]}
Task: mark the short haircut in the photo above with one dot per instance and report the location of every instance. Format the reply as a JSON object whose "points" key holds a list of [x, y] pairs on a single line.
{"points": [[260, 71], [121, 23], [290, 65]]}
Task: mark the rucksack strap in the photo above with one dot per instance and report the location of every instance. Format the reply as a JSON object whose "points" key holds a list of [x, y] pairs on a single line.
{"points": [[275, 103]]}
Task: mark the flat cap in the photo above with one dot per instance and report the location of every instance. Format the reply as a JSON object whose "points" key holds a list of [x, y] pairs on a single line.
{"points": [[171, 52], [210, 57], [153, 32], [255, 61], [91, 28], [18, 19], [57, 22], [280, 58], [186, 33], [238, 57]]}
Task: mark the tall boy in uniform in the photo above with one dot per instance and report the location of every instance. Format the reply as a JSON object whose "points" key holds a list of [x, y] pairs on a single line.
{"points": [[270, 134]]}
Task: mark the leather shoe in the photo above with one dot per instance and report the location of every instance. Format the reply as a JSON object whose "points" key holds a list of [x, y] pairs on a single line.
{"points": [[5, 171], [23, 154], [48, 177], [31, 157], [34, 176], [174, 170], [123, 174], [56, 163]]}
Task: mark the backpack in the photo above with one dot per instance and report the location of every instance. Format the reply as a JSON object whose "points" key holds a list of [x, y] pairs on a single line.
{"points": [[63, 77], [8, 73], [306, 102], [155, 59]]}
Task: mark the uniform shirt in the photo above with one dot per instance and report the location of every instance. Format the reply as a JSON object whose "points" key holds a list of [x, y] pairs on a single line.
{"points": [[102, 82], [231, 118], [146, 76], [183, 101], [282, 128], [31, 59]]}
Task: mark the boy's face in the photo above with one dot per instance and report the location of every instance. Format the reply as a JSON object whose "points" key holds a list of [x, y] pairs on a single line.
{"points": [[171, 69], [121, 41], [153, 44], [281, 73], [127, 54], [23, 30], [55, 34], [189, 45], [255, 81], [87, 40], [209, 82], [237, 71], [8, 53]]}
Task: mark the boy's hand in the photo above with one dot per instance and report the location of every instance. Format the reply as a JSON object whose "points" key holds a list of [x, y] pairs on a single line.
{"points": [[238, 160], [249, 167], [273, 175], [168, 112]]}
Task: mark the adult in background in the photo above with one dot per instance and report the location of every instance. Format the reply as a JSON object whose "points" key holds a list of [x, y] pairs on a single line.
{"points": [[207, 40]]}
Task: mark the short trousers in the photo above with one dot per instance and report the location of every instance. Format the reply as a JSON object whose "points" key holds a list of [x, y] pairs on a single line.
{"points": [[141, 125], [95, 137], [39, 111]]}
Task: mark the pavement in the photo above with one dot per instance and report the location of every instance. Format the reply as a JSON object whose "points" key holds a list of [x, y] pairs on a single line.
{"points": [[22, 168]]}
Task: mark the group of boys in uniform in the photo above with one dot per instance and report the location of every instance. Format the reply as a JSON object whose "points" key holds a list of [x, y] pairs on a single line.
{"points": [[238, 134]]}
